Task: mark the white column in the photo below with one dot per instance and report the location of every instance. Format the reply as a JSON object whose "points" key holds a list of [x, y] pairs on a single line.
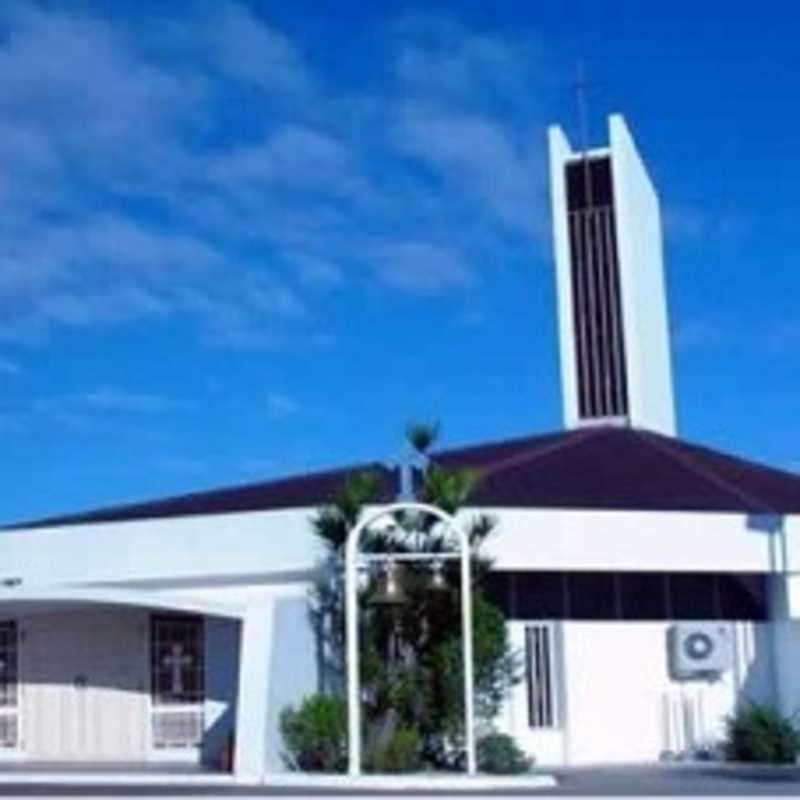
{"points": [[251, 708]]}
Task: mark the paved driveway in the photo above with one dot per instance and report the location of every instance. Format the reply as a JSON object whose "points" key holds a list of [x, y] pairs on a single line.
{"points": [[678, 779]]}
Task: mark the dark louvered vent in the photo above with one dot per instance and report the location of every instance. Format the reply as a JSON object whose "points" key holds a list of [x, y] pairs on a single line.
{"points": [[597, 310]]}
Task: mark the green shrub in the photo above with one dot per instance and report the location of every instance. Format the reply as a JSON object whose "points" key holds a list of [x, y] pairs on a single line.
{"points": [[498, 753], [400, 754], [315, 734], [760, 733]]}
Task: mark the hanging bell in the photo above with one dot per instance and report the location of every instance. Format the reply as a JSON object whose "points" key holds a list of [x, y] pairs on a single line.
{"points": [[438, 582], [389, 591]]}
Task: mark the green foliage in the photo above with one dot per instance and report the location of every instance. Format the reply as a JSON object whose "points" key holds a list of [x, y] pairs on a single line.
{"points": [[316, 734], [333, 522], [448, 489], [411, 656], [421, 436], [499, 754], [400, 754], [761, 733]]}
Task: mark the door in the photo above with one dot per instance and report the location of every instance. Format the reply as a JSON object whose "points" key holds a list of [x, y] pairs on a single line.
{"points": [[84, 682]]}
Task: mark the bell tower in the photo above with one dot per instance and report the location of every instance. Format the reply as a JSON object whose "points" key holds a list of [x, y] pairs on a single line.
{"points": [[612, 305]]}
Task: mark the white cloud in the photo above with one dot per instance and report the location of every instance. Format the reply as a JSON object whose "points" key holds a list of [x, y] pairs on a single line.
{"points": [[477, 158], [693, 334], [128, 194], [420, 267], [8, 367], [690, 223], [292, 157], [247, 49], [280, 406], [110, 399]]}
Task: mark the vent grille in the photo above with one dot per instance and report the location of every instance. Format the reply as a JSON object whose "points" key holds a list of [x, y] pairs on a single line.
{"points": [[540, 675], [177, 728], [8, 730]]}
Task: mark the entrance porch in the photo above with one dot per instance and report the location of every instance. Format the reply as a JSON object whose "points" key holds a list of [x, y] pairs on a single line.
{"points": [[100, 680]]}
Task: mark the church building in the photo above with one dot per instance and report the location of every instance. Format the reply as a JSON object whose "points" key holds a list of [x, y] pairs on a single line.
{"points": [[650, 584]]}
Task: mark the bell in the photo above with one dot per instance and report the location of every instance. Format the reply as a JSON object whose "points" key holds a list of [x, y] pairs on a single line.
{"points": [[438, 583], [390, 590]]}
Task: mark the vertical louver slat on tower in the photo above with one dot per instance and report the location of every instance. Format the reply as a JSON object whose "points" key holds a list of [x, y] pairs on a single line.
{"points": [[596, 302]]}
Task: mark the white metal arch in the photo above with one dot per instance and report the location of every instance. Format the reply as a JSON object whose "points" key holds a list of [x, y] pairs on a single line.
{"points": [[351, 612]]}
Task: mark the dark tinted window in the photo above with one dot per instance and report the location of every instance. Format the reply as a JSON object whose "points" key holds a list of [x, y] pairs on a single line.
{"points": [[743, 596], [592, 595], [498, 590], [538, 595], [692, 596], [630, 595], [643, 595]]}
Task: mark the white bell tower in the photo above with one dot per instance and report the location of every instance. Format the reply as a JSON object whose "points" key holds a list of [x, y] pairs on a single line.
{"points": [[612, 305]]}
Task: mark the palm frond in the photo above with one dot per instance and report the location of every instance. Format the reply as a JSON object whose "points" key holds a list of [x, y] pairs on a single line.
{"points": [[449, 489], [422, 435], [333, 522]]}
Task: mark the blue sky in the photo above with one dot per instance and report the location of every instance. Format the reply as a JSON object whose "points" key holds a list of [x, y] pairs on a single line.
{"points": [[245, 239]]}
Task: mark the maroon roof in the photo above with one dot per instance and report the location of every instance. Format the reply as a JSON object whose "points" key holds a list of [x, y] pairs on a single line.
{"points": [[604, 467], [312, 489], [623, 468]]}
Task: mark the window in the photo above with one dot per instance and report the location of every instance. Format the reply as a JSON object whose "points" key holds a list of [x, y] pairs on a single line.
{"points": [[9, 685], [547, 595], [177, 680], [592, 595], [643, 595], [693, 596], [177, 660], [540, 675], [743, 596], [538, 595]]}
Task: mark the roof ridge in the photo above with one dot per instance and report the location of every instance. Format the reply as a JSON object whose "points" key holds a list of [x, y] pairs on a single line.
{"points": [[576, 437], [709, 475]]}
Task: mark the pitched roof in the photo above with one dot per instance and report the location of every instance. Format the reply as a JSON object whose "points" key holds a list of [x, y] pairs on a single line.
{"points": [[604, 467], [609, 467], [311, 489]]}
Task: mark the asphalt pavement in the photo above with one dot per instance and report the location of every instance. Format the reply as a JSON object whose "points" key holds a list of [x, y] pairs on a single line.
{"points": [[710, 779]]}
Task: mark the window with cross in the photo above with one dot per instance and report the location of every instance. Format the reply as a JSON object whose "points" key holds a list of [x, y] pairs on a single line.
{"points": [[176, 660]]}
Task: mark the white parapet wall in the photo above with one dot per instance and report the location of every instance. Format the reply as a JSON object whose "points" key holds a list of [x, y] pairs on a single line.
{"points": [[553, 539], [178, 549]]}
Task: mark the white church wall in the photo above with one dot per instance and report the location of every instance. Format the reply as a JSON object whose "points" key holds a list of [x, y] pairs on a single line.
{"points": [[546, 745], [622, 705], [187, 550], [786, 635], [560, 152], [625, 540], [222, 640], [178, 548], [644, 298], [293, 668], [281, 666], [617, 702]]}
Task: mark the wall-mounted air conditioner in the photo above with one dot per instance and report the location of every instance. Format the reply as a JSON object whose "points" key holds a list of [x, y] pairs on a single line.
{"points": [[699, 650]]}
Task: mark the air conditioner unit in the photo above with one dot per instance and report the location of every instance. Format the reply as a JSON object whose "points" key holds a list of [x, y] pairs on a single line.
{"points": [[699, 650]]}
